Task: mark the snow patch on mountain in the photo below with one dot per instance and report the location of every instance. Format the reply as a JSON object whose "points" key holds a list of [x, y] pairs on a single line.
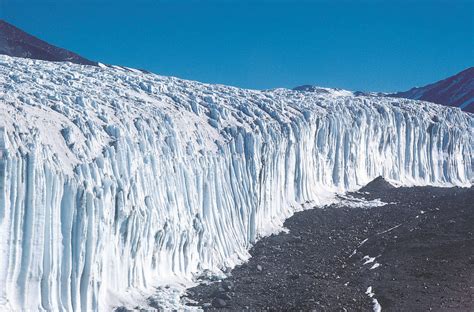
{"points": [[114, 181]]}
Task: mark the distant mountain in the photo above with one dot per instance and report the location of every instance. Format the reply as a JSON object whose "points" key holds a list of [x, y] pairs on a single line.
{"points": [[323, 91], [457, 90], [15, 42]]}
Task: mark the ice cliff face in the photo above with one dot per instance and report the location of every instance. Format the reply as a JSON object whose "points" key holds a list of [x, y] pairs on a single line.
{"points": [[112, 180]]}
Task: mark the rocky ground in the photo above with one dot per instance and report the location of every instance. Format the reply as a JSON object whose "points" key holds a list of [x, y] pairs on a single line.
{"points": [[416, 253]]}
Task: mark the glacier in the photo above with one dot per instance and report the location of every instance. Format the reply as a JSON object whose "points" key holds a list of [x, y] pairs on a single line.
{"points": [[113, 180]]}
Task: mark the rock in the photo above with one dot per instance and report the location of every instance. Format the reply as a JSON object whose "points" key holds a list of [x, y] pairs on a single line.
{"points": [[224, 296], [294, 276], [227, 285], [217, 292], [377, 186], [219, 303], [259, 268]]}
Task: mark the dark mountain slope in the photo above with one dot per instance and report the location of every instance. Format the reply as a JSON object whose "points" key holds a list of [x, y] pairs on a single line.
{"points": [[457, 91], [17, 43]]}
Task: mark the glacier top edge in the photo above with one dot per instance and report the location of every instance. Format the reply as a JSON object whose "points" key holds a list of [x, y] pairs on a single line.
{"points": [[76, 111]]}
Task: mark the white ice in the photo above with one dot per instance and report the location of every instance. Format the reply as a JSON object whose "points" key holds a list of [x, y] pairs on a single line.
{"points": [[376, 305], [368, 259]]}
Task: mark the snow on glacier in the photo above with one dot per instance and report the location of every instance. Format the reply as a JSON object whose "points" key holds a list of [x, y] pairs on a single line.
{"points": [[114, 181]]}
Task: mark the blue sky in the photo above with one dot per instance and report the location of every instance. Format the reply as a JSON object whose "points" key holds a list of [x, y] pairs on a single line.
{"points": [[357, 45]]}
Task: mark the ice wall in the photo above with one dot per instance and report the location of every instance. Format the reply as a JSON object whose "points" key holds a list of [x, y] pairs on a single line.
{"points": [[112, 180]]}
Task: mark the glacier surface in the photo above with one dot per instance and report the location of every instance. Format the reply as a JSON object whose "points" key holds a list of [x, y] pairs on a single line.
{"points": [[113, 181]]}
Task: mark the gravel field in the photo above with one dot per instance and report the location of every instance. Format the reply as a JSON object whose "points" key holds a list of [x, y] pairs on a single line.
{"points": [[414, 254]]}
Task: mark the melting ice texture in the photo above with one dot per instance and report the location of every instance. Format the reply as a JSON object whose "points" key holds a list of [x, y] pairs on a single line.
{"points": [[113, 180]]}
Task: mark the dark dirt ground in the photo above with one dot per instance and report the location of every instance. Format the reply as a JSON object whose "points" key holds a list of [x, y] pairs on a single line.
{"points": [[426, 261]]}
